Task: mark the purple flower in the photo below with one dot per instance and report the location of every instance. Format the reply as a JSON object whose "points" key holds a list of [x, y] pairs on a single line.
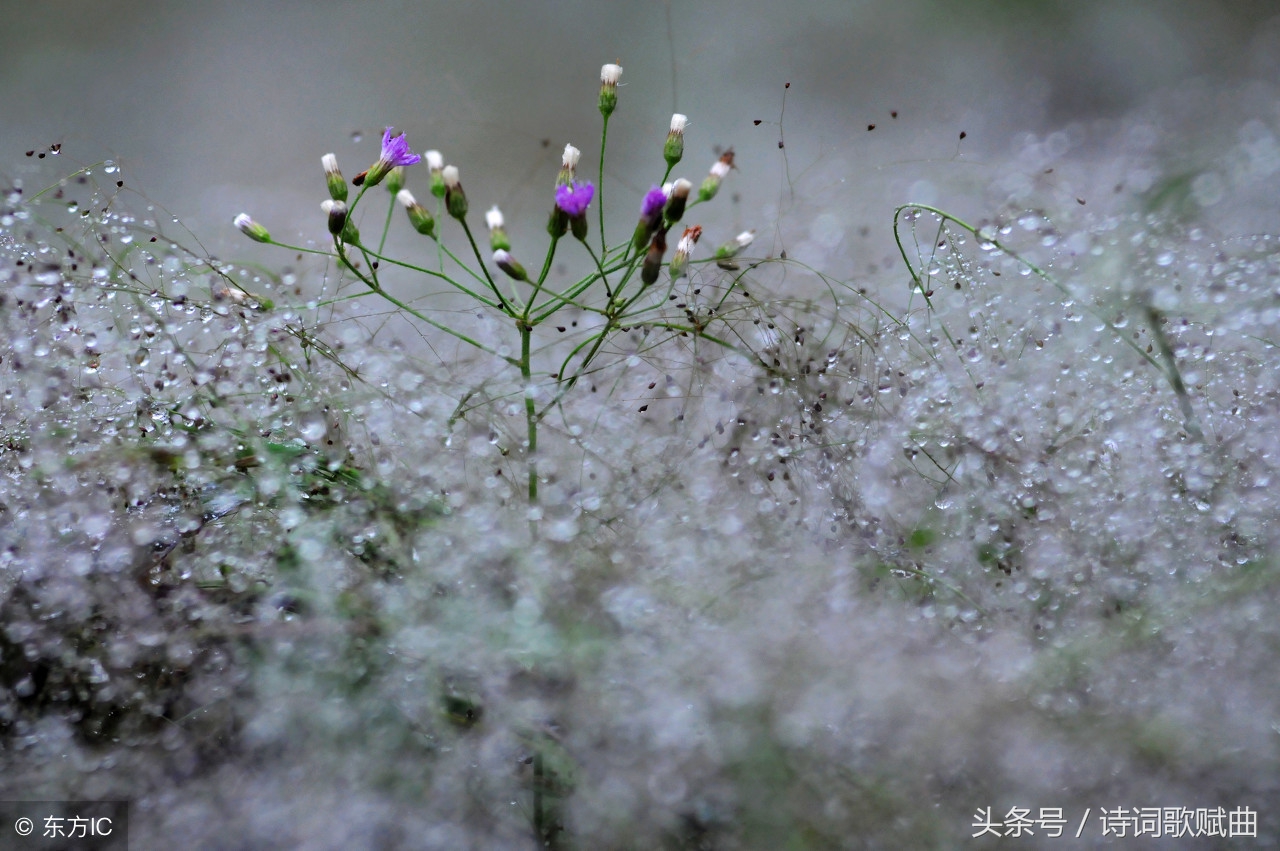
{"points": [[395, 152], [574, 199], [653, 203]]}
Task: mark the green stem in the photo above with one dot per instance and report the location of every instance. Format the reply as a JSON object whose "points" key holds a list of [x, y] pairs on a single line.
{"points": [[477, 296], [417, 314], [386, 226], [530, 416], [604, 136], [600, 269], [502, 303], [537, 286]]}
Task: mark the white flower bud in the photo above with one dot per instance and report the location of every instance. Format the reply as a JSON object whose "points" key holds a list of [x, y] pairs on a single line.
{"points": [[252, 229]]}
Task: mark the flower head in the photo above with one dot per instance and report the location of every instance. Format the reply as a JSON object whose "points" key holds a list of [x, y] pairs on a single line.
{"points": [[435, 162], [677, 198], [574, 199], [650, 216], [719, 171], [252, 229], [725, 253], [609, 76], [395, 152], [498, 240], [568, 166], [653, 258], [680, 260], [654, 200], [333, 177], [421, 219], [673, 150], [455, 200], [337, 213], [509, 264]]}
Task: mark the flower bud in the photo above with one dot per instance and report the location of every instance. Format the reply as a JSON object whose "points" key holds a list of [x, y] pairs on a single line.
{"points": [[677, 198], [733, 246], [337, 185], [455, 200], [674, 149], [419, 216], [719, 171], [395, 179], [498, 240], [680, 260], [337, 212], [509, 264], [252, 229], [609, 76], [557, 223], [650, 217], [653, 258], [435, 162]]}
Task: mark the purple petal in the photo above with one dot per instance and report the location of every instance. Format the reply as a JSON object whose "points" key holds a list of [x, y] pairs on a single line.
{"points": [[654, 201], [573, 200], [396, 150]]}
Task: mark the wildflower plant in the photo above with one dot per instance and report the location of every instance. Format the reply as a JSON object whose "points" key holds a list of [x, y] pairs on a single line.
{"points": [[618, 291]]}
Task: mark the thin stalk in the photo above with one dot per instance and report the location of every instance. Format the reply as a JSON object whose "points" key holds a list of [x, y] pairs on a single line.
{"points": [[600, 269], [417, 314], [502, 303], [467, 290], [604, 135], [530, 417], [537, 286], [386, 226]]}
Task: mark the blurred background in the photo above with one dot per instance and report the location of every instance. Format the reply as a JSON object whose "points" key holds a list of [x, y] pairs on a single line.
{"points": [[221, 107], [701, 648]]}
